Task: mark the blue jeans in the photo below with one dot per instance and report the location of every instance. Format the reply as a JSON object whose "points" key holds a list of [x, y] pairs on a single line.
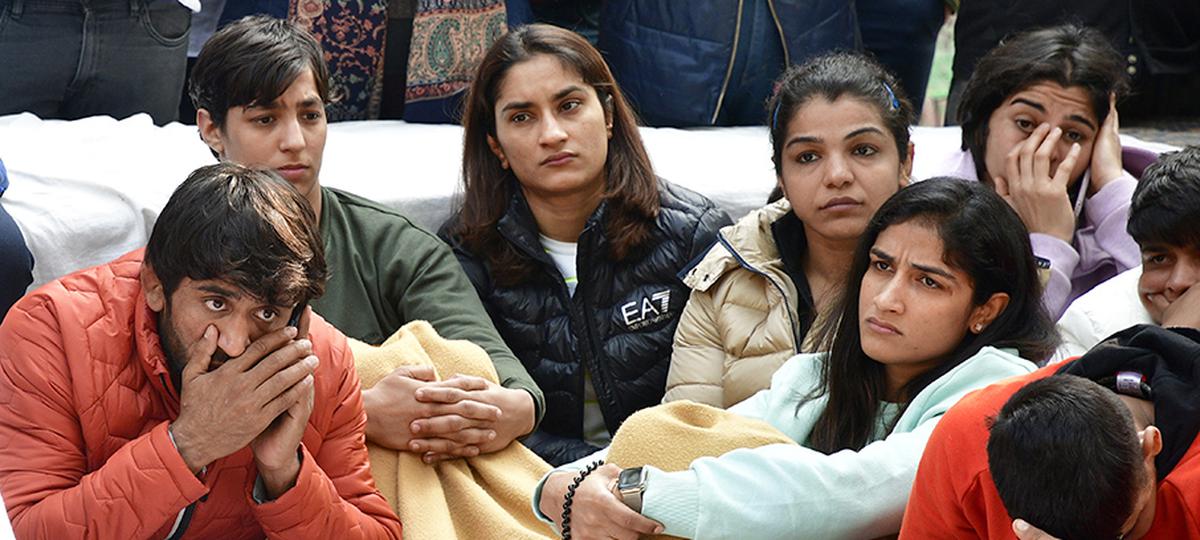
{"points": [[902, 34], [74, 58], [16, 264]]}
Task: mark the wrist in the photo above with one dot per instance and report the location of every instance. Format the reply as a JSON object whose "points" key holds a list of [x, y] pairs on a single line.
{"points": [[277, 480], [188, 447], [553, 492], [370, 397], [523, 411]]}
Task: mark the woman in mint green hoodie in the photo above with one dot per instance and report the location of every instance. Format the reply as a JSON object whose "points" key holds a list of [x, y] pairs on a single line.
{"points": [[943, 298]]}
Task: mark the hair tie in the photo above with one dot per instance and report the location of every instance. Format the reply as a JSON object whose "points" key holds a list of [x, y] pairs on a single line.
{"points": [[891, 94], [775, 115]]}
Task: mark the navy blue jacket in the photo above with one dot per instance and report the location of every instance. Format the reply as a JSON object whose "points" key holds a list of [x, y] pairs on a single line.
{"points": [[620, 323], [673, 57]]}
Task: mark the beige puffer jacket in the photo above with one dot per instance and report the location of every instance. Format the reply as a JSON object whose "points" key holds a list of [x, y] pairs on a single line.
{"points": [[740, 323]]}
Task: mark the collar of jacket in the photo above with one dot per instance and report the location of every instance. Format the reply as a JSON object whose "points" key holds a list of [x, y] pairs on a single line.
{"points": [[749, 242], [519, 227]]}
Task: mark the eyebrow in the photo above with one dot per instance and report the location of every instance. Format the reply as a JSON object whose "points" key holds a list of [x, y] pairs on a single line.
{"points": [[922, 267], [219, 290], [557, 96], [813, 139], [1082, 120], [1076, 117], [308, 102], [862, 130], [1030, 103]]}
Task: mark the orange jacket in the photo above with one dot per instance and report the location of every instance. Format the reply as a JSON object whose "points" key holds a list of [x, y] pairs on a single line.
{"points": [[953, 496], [85, 399]]}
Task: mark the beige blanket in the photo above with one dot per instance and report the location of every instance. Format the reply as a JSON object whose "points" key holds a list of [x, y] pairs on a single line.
{"points": [[481, 497]]}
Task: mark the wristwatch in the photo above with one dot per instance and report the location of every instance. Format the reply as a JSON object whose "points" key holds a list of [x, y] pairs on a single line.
{"points": [[631, 484]]}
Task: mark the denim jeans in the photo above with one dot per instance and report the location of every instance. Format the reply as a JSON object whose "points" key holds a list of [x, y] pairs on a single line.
{"points": [[74, 58]]}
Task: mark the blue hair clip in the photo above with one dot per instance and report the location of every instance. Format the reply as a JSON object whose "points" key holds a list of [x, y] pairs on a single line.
{"points": [[775, 115], [891, 94]]}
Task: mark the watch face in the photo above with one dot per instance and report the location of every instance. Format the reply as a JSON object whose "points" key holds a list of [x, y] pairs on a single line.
{"points": [[629, 478]]}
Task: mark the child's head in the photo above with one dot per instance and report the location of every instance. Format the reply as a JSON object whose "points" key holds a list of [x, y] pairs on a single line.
{"points": [[1164, 219], [1066, 455]]}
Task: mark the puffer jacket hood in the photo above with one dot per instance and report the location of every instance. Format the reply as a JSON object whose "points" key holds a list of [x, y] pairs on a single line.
{"points": [[619, 323], [87, 402]]}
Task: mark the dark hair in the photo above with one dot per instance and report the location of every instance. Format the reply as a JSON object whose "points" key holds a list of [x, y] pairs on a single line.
{"points": [[631, 194], [1069, 55], [983, 237], [831, 76], [1166, 202], [245, 226], [1064, 455], [253, 61]]}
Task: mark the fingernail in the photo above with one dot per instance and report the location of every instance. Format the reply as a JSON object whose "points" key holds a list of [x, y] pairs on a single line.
{"points": [[658, 529], [209, 331], [416, 428], [290, 331], [1021, 525], [491, 435], [414, 446], [427, 458], [313, 361]]}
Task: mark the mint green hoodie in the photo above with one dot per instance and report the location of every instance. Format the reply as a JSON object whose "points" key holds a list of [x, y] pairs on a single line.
{"points": [[786, 491]]}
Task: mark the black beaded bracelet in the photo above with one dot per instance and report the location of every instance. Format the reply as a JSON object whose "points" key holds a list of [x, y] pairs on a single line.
{"points": [[566, 514]]}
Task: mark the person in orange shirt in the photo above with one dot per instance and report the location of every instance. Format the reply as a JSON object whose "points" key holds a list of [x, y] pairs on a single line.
{"points": [[185, 390], [1070, 459]]}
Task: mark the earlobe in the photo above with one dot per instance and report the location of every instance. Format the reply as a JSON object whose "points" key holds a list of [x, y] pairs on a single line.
{"points": [[152, 288], [498, 151], [985, 313]]}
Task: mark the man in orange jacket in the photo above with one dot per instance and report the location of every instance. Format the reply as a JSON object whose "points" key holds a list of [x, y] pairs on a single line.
{"points": [[169, 393]]}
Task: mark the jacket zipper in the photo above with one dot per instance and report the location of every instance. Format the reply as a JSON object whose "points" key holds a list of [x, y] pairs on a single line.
{"points": [[787, 61], [737, 36], [590, 361], [742, 262]]}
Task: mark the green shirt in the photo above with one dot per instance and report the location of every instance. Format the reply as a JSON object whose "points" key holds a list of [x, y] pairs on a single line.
{"points": [[385, 271]]}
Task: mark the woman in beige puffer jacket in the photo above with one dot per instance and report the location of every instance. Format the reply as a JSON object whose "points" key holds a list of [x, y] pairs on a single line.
{"points": [[839, 130]]}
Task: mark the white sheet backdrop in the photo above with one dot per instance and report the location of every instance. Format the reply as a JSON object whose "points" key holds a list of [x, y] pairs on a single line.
{"points": [[86, 191]]}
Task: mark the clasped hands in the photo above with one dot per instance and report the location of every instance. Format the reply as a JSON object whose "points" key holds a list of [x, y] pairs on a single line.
{"points": [[262, 398], [462, 416]]}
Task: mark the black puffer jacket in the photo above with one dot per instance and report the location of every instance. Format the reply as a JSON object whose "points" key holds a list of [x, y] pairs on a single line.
{"points": [[620, 322]]}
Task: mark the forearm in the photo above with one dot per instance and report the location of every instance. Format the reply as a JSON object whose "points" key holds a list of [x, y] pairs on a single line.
{"points": [[843, 495], [315, 508], [1107, 214], [138, 490], [550, 490]]}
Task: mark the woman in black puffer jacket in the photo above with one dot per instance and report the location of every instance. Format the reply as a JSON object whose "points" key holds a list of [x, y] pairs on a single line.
{"points": [[571, 241]]}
